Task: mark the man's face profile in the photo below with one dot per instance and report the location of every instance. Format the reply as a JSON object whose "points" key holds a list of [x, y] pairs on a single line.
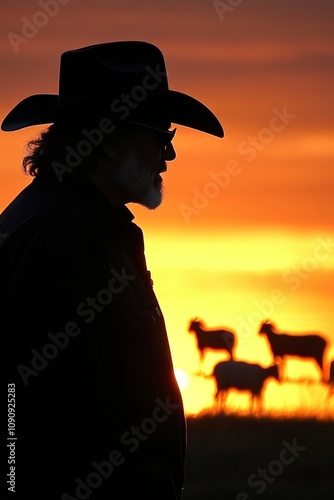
{"points": [[136, 164]]}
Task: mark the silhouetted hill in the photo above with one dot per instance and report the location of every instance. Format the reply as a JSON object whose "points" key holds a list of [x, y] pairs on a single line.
{"points": [[246, 458]]}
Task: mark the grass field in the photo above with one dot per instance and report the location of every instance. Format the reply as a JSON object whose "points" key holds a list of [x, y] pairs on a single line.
{"points": [[247, 458]]}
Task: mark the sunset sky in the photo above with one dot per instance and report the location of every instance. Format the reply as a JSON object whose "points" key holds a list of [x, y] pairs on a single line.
{"points": [[244, 217]]}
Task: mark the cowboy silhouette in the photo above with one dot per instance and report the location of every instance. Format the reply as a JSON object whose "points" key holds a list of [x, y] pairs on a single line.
{"points": [[98, 411]]}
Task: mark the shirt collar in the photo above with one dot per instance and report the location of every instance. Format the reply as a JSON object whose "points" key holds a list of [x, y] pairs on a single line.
{"points": [[93, 201]]}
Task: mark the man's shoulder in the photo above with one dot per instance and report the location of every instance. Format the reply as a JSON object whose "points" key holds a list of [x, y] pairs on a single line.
{"points": [[43, 209]]}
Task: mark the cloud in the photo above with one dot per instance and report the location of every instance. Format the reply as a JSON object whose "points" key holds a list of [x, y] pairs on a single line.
{"points": [[263, 55]]}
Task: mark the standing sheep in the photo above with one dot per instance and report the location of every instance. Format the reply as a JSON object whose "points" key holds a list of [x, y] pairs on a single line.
{"points": [[211, 339], [243, 377], [302, 346]]}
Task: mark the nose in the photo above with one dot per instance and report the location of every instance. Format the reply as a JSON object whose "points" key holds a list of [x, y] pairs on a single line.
{"points": [[169, 153]]}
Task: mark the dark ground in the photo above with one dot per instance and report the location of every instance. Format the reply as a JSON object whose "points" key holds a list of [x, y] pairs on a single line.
{"points": [[244, 458]]}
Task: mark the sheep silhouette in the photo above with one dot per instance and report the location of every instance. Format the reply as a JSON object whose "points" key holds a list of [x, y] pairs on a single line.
{"points": [[302, 346], [242, 376], [219, 340]]}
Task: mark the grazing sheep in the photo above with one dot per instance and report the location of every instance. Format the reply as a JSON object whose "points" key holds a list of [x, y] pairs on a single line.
{"points": [[211, 339], [243, 377], [302, 346]]}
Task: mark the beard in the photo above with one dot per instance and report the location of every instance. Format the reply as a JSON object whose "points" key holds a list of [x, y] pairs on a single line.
{"points": [[141, 186]]}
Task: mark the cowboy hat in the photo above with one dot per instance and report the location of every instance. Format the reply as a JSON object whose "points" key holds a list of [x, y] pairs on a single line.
{"points": [[123, 80]]}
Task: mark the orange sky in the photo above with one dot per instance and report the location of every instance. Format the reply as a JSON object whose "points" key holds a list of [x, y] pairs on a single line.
{"points": [[242, 216]]}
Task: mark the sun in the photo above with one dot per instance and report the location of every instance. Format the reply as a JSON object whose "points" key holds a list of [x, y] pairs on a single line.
{"points": [[182, 378]]}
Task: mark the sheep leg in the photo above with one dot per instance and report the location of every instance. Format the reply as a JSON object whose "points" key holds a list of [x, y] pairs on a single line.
{"points": [[218, 402], [321, 366], [251, 406], [282, 367], [201, 362], [224, 399]]}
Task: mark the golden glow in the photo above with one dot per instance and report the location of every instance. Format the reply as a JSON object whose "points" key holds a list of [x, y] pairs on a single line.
{"points": [[308, 398], [182, 378], [232, 248], [237, 283]]}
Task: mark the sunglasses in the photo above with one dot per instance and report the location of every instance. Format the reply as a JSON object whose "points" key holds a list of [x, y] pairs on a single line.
{"points": [[164, 137]]}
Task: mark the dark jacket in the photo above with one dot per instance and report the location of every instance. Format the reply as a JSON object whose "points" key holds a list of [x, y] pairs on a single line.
{"points": [[98, 411]]}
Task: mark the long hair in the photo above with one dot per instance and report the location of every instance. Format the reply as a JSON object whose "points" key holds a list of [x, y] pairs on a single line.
{"points": [[51, 147], [37, 152]]}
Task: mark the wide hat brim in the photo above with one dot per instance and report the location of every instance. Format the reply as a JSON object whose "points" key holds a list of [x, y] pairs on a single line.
{"points": [[106, 82], [169, 105]]}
